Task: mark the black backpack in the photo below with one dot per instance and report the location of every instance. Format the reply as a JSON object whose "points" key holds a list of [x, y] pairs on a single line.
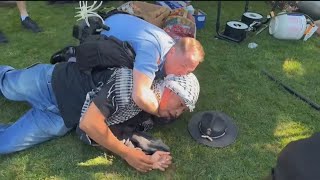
{"points": [[99, 52]]}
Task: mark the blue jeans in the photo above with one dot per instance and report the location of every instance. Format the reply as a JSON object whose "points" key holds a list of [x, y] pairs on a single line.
{"points": [[43, 121]]}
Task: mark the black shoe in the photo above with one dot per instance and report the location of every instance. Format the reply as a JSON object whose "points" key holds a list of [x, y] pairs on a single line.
{"points": [[28, 23], [63, 55], [3, 38]]}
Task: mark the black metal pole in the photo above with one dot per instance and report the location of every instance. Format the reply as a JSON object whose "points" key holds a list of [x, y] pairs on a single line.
{"points": [[218, 16], [222, 36], [246, 6], [292, 91]]}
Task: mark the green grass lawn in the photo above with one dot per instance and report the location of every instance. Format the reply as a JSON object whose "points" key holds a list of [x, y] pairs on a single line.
{"points": [[267, 117]]}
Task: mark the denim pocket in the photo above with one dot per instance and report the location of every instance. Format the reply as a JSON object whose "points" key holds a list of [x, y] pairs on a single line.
{"points": [[53, 107]]}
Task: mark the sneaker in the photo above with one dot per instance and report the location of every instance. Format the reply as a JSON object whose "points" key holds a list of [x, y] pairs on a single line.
{"points": [[3, 38], [28, 23]]}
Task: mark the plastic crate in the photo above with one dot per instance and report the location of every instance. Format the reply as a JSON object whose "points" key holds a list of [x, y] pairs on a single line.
{"points": [[200, 19], [172, 4]]}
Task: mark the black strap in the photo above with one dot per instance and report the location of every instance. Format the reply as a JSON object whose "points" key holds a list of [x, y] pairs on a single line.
{"points": [[113, 12], [116, 11]]}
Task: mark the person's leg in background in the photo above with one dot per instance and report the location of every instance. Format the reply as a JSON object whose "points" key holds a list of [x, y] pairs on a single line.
{"points": [[26, 21], [3, 38], [43, 121]]}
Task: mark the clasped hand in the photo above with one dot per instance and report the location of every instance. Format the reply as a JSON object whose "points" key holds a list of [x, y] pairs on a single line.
{"points": [[144, 163]]}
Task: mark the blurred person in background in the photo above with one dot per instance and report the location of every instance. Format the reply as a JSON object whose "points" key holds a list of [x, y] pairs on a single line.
{"points": [[26, 21]]}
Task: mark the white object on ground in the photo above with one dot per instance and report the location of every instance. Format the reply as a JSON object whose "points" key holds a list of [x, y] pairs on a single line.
{"points": [[252, 45], [286, 26]]}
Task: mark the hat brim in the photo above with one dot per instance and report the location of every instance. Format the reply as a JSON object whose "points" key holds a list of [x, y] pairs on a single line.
{"points": [[227, 139]]}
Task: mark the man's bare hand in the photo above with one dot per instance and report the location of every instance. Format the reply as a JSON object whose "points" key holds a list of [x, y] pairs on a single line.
{"points": [[139, 160], [161, 160]]}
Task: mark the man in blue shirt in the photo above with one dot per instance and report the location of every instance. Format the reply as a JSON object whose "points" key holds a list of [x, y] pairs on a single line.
{"points": [[157, 55]]}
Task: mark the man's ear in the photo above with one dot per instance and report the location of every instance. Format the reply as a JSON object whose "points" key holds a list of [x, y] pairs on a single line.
{"points": [[166, 93], [164, 98]]}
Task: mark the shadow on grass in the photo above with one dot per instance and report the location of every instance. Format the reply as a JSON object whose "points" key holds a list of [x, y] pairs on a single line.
{"points": [[65, 158]]}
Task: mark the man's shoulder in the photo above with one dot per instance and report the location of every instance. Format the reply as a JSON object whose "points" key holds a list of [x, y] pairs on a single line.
{"points": [[124, 18]]}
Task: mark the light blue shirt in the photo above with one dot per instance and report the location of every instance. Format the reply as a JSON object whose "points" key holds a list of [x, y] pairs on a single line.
{"points": [[149, 42]]}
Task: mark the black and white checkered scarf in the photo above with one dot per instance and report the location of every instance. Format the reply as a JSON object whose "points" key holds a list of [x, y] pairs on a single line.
{"points": [[187, 87]]}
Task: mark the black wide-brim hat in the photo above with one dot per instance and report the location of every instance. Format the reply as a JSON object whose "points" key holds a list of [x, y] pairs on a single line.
{"points": [[212, 128]]}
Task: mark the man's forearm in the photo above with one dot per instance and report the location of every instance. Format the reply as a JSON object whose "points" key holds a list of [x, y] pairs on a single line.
{"points": [[147, 102], [101, 133], [105, 138], [94, 125], [142, 94]]}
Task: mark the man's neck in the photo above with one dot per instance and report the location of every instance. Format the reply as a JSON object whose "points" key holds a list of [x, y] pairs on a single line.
{"points": [[161, 73]]}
